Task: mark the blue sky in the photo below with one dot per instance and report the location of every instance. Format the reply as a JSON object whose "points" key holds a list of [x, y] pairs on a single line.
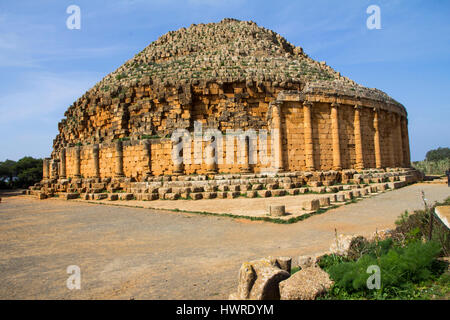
{"points": [[44, 66]]}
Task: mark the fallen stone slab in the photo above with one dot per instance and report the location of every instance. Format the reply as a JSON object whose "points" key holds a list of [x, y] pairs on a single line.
{"points": [[306, 284], [259, 280]]}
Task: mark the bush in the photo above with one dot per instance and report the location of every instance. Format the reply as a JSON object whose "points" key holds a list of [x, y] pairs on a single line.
{"points": [[432, 167], [417, 225], [400, 267]]}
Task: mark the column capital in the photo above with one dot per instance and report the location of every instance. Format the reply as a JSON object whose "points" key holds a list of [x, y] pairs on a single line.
{"points": [[335, 105], [307, 103], [357, 107]]}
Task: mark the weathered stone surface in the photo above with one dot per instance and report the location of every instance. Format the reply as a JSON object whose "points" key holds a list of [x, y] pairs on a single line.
{"points": [[324, 202], [126, 196], [305, 284], [276, 210], [259, 280], [99, 196], [113, 196], [311, 205]]}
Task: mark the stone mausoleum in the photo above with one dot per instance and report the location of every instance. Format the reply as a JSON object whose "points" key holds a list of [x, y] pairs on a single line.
{"points": [[231, 75]]}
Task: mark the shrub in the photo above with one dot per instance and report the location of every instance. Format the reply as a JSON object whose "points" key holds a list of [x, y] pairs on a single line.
{"points": [[432, 167], [416, 226], [399, 267]]}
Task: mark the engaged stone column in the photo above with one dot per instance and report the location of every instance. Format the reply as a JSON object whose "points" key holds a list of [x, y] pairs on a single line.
{"points": [[277, 138], [54, 169], [211, 165], [246, 155], [337, 164], [407, 159], [391, 140], [308, 132], [398, 129], [119, 159], [77, 162], [96, 158], [358, 141], [376, 142], [45, 169], [62, 163], [148, 156]]}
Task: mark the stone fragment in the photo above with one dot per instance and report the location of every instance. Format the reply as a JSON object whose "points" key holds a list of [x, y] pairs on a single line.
{"points": [[306, 284]]}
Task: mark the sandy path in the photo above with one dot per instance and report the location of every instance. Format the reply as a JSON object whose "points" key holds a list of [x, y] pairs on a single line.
{"points": [[137, 253]]}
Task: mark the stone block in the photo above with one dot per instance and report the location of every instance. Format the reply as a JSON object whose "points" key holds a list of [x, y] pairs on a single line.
{"points": [[41, 196], [278, 193], [264, 193], [113, 196], [196, 196], [126, 196], [209, 195], [348, 195], [306, 284], [324, 202], [223, 188], [311, 205], [257, 186], [276, 210], [235, 188], [172, 196], [234, 194], [70, 196], [272, 186], [99, 196], [252, 194], [333, 198]]}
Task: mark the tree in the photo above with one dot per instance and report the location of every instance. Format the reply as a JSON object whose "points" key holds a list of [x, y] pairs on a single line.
{"points": [[7, 171], [28, 171], [21, 174], [438, 154]]}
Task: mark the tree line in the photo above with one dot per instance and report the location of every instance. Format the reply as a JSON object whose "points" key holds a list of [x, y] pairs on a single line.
{"points": [[20, 174]]}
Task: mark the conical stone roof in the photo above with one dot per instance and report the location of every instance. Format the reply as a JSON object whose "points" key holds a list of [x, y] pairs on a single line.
{"points": [[225, 52]]}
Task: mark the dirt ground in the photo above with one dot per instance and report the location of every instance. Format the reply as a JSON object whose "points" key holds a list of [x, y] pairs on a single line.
{"points": [[133, 253]]}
